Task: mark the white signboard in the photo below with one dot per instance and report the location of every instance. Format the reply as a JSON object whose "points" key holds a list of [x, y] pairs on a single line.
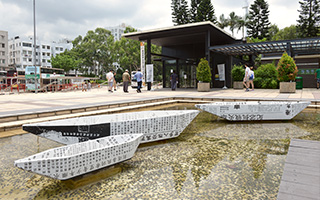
{"points": [[149, 69], [143, 60], [221, 71]]}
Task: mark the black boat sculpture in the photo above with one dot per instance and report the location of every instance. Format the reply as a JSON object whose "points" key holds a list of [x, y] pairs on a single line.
{"points": [[154, 125]]}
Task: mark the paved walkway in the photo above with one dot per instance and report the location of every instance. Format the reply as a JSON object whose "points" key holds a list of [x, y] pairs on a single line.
{"points": [[19, 103], [301, 175]]}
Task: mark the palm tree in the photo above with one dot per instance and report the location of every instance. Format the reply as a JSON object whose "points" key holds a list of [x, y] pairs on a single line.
{"points": [[233, 21], [242, 23], [223, 22]]}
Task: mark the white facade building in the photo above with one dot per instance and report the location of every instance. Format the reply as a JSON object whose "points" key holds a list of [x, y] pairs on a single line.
{"points": [[117, 31], [3, 49], [21, 51]]}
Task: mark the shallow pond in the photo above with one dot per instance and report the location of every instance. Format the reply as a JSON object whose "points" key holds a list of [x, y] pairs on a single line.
{"points": [[211, 159]]}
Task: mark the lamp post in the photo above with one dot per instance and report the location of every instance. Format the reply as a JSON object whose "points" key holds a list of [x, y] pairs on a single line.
{"points": [[34, 46]]}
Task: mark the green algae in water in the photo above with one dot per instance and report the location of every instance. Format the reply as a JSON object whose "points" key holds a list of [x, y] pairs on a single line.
{"points": [[211, 159]]}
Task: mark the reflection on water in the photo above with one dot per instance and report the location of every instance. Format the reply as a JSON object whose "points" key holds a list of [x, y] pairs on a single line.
{"points": [[211, 159]]}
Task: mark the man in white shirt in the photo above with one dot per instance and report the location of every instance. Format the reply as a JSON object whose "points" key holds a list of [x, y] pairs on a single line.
{"points": [[110, 78], [246, 78]]}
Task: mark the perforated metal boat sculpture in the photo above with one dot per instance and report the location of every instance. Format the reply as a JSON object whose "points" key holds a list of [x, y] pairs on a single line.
{"points": [[154, 125], [255, 110], [76, 159]]}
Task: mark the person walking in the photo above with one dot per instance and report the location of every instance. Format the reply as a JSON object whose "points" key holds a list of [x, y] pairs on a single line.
{"points": [[139, 76], [114, 82], [317, 77], [125, 79], [110, 78], [173, 79], [251, 78], [246, 78]]}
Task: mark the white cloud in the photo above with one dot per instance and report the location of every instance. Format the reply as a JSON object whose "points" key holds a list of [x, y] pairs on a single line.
{"points": [[56, 19]]}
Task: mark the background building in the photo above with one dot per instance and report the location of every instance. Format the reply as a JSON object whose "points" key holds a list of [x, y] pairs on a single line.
{"points": [[21, 51], [3, 49], [117, 31]]}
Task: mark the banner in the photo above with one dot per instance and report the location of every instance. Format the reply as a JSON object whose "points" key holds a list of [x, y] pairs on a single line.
{"points": [[149, 69], [221, 72], [143, 61]]}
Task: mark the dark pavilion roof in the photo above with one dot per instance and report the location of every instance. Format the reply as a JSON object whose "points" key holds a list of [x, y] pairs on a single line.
{"points": [[193, 33], [298, 46]]}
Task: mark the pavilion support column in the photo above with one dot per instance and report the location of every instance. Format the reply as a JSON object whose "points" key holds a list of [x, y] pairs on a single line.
{"points": [[177, 71], [289, 49], [149, 58], [207, 45], [164, 74]]}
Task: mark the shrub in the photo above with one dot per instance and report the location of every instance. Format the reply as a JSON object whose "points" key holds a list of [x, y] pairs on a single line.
{"points": [[287, 69], [237, 73], [266, 76], [203, 71]]}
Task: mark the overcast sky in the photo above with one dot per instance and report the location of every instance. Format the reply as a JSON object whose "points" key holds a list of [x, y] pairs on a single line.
{"points": [[58, 19]]}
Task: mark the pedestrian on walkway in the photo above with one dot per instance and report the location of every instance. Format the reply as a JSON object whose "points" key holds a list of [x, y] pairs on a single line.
{"points": [[246, 78], [110, 78], [173, 79], [125, 79], [317, 77], [251, 78], [114, 82], [139, 76]]}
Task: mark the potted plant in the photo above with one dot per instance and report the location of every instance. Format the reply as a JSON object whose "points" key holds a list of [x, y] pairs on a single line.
{"points": [[237, 74], [286, 72], [203, 75]]}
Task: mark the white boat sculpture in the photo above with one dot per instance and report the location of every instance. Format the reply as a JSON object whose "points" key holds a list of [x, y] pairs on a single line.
{"points": [[255, 110], [76, 159], [154, 125]]}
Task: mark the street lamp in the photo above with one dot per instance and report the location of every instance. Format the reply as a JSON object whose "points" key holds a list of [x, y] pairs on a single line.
{"points": [[34, 46]]}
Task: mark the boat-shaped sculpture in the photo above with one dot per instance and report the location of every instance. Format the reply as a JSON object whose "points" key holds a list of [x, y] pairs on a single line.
{"points": [[154, 125], [76, 159], [255, 110]]}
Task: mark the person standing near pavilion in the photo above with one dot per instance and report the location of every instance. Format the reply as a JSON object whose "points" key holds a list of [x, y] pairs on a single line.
{"points": [[246, 78], [125, 79], [317, 77], [139, 76], [173, 79], [110, 78]]}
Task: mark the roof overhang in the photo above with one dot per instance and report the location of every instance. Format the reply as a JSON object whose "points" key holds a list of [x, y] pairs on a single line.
{"points": [[193, 33], [297, 47]]}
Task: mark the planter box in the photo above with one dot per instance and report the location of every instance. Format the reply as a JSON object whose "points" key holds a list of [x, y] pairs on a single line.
{"points": [[237, 85], [287, 87], [203, 87]]}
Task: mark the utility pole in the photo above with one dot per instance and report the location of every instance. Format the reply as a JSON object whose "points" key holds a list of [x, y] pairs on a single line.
{"points": [[35, 47]]}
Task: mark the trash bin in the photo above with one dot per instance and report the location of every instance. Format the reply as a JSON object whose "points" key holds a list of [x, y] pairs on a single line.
{"points": [[299, 82]]}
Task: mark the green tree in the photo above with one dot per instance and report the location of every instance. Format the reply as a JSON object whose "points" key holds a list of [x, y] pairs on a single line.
{"points": [[194, 10], [180, 12], [309, 18], [242, 23], [223, 22], [205, 12], [233, 22], [266, 76], [96, 50], [258, 25], [287, 68], [288, 33], [65, 61], [273, 30], [128, 52]]}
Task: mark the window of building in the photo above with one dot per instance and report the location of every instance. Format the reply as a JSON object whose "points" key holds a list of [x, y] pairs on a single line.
{"points": [[26, 44], [43, 47], [24, 59], [48, 47], [61, 49], [43, 60], [30, 59], [48, 54]]}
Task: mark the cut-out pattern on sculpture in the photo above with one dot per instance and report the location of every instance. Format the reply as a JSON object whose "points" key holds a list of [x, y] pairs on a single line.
{"points": [[77, 159], [255, 110], [154, 125]]}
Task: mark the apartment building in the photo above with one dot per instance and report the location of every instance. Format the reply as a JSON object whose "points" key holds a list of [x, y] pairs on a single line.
{"points": [[3, 50], [21, 51], [117, 31]]}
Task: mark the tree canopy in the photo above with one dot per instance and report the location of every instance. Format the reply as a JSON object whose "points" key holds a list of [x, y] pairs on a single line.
{"points": [[309, 18], [258, 25]]}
